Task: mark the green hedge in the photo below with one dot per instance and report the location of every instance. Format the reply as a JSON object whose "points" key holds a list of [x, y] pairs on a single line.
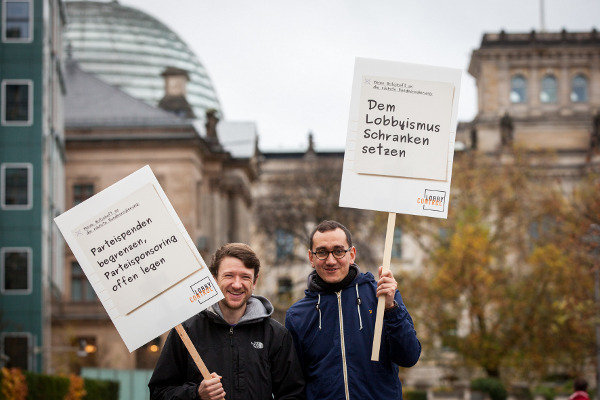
{"points": [[492, 386], [47, 387], [414, 395], [547, 392], [101, 390], [51, 387]]}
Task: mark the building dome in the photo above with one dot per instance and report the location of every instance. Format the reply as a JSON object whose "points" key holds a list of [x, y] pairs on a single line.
{"points": [[130, 49]]}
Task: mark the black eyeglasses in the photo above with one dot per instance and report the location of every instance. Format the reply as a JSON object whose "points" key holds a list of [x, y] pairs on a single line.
{"points": [[322, 254]]}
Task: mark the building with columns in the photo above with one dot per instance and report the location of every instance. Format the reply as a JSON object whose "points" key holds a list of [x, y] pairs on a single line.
{"points": [[539, 91]]}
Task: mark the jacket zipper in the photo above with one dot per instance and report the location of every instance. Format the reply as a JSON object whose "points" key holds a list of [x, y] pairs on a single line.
{"points": [[343, 344], [231, 355]]}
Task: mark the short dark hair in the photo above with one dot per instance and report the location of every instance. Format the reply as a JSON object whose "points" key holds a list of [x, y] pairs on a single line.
{"points": [[326, 226], [580, 384], [241, 251]]}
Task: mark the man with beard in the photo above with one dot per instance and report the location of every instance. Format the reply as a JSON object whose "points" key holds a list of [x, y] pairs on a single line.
{"points": [[333, 325], [253, 353]]}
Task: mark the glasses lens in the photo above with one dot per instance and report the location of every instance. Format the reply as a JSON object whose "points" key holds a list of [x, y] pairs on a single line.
{"points": [[322, 254], [339, 253]]}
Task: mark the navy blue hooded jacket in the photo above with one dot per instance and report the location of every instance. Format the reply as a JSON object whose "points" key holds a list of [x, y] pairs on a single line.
{"points": [[336, 358]]}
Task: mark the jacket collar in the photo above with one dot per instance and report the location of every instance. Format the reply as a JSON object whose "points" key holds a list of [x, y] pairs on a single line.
{"points": [[359, 280], [257, 308]]}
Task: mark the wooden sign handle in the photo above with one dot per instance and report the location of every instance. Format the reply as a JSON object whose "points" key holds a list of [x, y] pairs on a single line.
{"points": [[387, 257], [193, 352]]}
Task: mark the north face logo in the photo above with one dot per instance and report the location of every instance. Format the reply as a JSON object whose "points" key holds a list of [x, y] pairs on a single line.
{"points": [[257, 345]]}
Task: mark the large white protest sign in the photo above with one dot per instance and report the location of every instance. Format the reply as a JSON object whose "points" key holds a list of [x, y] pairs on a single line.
{"points": [[400, 142], [139, 258]]}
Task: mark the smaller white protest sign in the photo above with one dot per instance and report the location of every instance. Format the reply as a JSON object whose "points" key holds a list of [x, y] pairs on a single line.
{"points": [[139, 258], [400, 142]]}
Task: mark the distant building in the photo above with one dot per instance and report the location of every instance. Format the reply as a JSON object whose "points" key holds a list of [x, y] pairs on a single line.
{"points": [[283, 248], [539, 91], [31, 177], [109, 135], [135, 96], [130, 50]]}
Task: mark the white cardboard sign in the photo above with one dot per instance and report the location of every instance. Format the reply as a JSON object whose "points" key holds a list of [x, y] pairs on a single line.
{"points": [[139, 258], [400, 142]]}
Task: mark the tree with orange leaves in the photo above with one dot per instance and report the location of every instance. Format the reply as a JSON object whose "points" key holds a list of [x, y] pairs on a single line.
{"points": [[506, 284]]}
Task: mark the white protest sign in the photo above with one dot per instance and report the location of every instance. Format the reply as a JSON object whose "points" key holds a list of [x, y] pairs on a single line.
{"points": [[400, 141], [139, 258], [400, 146]]}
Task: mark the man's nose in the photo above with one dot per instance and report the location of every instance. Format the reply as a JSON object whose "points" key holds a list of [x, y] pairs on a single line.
{"points": [[237, 282]]}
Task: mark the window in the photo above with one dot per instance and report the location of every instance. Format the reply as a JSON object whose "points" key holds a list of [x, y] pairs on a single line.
{"points": [[17, 21], [284, 286], [579, 89], [82, 192], [17, 97], [518, 89], [548, 94], [16, 186], [17, 346], [81, 289], [284, 241], [87, 348], [540, 230], [449, 333], [16, 270], [284, 290], [147, 355], [397, 244]]}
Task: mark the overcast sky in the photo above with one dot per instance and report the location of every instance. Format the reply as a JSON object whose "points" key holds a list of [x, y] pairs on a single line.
{"points": [[287, 65]]}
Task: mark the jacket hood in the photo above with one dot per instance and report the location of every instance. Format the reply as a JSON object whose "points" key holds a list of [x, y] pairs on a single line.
{"points": [[257, 308], [314, 292]]}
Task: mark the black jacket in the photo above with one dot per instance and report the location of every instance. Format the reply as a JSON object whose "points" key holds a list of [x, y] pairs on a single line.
{"points": [[256, 357]]}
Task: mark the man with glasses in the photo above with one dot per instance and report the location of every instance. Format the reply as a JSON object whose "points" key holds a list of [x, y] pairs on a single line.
{"points": [[333, 325]]}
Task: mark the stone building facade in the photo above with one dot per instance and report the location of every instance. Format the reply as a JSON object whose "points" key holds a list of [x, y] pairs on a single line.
{"points": [[109, 135], [539, 91]]}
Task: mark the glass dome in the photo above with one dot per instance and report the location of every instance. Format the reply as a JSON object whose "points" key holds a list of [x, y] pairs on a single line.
{"points": [[130, 49]]}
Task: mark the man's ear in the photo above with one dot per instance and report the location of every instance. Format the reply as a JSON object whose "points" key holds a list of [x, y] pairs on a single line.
{"points": [[353, 254], [310, 256]]}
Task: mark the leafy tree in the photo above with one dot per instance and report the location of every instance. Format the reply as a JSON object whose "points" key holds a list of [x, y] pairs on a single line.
{"points": [[303, 192], [500, 286]]}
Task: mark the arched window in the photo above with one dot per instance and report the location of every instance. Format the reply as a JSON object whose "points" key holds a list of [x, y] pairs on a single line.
{"points": [[548, 94], [579, 89], [518, 89]]}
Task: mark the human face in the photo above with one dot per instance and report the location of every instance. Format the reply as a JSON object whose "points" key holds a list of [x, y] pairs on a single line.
{"points": [[237, 282], [331, 270]]}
